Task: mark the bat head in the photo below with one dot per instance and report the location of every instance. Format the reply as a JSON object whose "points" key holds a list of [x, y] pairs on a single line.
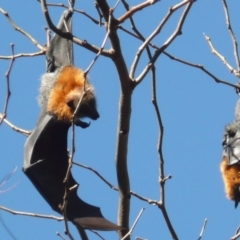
{"points": [[63, 85], [231, 143], [87, 107]]}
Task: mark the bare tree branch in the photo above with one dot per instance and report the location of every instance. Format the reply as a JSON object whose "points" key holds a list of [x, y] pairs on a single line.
{"points": [[99, 13], [98, 174], [177, 32], [68, 189], [101, 49], [33, 40], [82, 232], [203, 228], [229, 26], [135, 9], [123, 123], [23, 55], [148, 200], [95, 232], [74, 9], [4, 115], [237, 234], [31, 214], [201, 67], [20, 130], [222, 58], [70, 36], [59, 234], [134, 224], [235, 237], [162, 178], [9, 231]]}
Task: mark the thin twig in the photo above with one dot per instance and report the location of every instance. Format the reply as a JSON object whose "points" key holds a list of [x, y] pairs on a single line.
{"points": [[82, 232], [134, 224], [17, 28], [135, 9], [95, 232], [101, 49], [177, 32], [98, 174], [162, 178], [235, 237], [5, 179], [138, 34], [23, 55], [74, 9], [70, 163], [234, 41], [31, 214], [20, 130], [67, 190], [48, 32], [148, 200], [4, 115], [8, 230], [115, 6], [59, 234], [99, 13], [222, 58], [238, 230], [201, 67], [167, 42], [203, 228]]}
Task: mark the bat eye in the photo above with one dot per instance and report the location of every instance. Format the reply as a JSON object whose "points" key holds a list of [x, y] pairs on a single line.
{"points": [[71, 104], [231, 133]]}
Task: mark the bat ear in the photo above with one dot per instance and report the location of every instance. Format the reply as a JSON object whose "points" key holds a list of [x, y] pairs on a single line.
{"points": [[60, 51]]}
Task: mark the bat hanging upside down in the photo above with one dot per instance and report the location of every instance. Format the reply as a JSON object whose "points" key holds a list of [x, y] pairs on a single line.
{"points": [[46, 156], [230, 165]]}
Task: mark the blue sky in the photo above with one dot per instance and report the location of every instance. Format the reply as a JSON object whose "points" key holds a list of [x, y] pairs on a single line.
{"points": [[194, 110]]}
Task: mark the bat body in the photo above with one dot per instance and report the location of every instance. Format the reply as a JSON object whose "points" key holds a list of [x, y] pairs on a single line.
{"points": [[46, 156], [230, 165]]}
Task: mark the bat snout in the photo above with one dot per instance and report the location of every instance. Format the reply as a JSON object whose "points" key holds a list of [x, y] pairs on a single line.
{"points": [[94, 114], [236, 195]]}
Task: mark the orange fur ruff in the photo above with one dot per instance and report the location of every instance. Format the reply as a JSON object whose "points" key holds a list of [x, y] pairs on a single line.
{"points": [[231, 176], [68, 86]]}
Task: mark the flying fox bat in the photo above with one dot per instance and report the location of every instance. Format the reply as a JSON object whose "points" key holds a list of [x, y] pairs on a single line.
{"points": [[46, 156], [230, 165]]}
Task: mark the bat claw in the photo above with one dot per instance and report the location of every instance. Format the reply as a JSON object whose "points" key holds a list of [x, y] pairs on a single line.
{"points": [[82, 124]]}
